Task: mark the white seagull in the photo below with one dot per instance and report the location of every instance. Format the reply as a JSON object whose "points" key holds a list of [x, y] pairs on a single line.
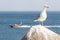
{"points": [[42, 17]]}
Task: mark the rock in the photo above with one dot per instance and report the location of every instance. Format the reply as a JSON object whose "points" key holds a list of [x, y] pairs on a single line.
{"points": [[39, 32]]}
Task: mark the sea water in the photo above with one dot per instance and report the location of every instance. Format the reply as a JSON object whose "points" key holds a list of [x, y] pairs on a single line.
{"points": [[27, 18]]}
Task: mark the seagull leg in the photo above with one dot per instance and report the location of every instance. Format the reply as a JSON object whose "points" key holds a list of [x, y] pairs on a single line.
{"points": [[42, 23]]}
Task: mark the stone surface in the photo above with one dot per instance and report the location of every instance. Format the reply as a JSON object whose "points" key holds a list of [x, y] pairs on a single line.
{"points": [[39, 32]]}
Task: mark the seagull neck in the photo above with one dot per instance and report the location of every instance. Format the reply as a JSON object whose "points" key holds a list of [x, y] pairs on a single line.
{"points": [[44, 10]]}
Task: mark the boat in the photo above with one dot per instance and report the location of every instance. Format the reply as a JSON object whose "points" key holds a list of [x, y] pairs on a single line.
{"points": [[19, 25]]}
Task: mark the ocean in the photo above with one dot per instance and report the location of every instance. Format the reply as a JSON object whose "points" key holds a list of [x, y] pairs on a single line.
{"points": [[6, 18]]}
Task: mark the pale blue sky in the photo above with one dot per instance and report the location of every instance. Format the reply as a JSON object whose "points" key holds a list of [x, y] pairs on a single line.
{"points": [[28, 5]]}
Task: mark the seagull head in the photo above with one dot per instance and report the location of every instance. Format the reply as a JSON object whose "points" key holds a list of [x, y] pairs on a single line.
{"points": [[46, 6]]}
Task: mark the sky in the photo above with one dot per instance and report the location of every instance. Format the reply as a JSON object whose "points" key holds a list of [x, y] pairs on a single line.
{"points": [[28, 5]]}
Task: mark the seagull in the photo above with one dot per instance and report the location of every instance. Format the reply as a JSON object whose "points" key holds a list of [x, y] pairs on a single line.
{"points": [[43, 16]]}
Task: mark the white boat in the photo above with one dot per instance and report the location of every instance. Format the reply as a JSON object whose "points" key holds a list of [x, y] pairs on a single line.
{"points": [[19, 26]]}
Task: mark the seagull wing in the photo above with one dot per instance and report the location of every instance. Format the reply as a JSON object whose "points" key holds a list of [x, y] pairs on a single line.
{"points": [[37, 17]]}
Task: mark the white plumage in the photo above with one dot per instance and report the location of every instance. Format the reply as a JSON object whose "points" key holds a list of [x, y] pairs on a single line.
{"points": [[42, 17]]}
